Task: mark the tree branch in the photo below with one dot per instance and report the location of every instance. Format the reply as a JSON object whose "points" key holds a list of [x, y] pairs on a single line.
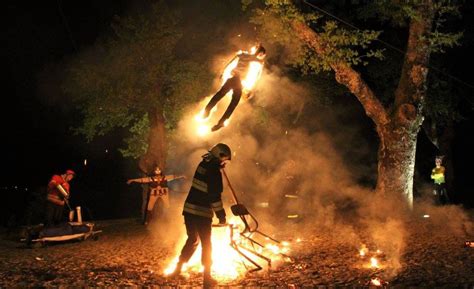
{"points": [[346, 76], [412, 85]]}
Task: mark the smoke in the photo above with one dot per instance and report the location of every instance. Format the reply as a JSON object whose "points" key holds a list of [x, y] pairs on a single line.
{"points": [[290, 168]]}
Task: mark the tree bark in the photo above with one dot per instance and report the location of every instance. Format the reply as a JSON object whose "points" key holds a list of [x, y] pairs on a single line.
{"points": [[396, 161], [157, 143]]}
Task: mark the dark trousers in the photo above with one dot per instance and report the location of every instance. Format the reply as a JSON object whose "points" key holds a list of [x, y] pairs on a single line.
{"points": [[197, 228], [54, 214], [233, 83], [441, 195]]}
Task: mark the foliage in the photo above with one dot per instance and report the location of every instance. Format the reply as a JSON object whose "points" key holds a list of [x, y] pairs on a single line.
{"points": [[123, 78], [355, 47], [342, 45], [442, 105]]}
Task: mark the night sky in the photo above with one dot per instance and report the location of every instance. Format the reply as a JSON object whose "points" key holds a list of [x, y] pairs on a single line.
{"points": [[37, 142]]}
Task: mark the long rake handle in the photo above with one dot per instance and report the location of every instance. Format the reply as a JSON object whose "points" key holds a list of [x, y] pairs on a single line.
{"points": [[230, 186]]}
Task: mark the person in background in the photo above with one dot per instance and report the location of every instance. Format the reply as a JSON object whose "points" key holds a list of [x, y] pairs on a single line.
{"points": [[157, 189], [438, 177], [58, 195]]}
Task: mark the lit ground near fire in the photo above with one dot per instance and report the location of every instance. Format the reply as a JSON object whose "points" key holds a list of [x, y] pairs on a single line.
{"points": [[126, 254]]}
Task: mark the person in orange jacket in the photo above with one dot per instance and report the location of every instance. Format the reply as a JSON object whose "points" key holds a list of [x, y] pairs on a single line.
{"points": [[58, 196]]}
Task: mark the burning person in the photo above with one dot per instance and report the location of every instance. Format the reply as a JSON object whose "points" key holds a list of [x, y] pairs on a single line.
{"points": [[203, 200], [157, 189], [437, 174], [241, 70]]}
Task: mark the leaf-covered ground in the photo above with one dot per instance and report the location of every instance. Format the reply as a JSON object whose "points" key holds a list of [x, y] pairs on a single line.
{"points": [[127, 254]]}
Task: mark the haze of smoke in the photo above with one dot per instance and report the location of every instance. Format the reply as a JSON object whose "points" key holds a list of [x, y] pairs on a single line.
{"points": [[271, 158]]}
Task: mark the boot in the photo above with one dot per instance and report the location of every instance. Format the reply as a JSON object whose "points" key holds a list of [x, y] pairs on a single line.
{"points": [[218, 126], [209, 282]]}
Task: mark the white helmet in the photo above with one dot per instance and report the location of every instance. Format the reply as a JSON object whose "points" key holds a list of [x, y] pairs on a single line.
{"points": [[221, 150]]}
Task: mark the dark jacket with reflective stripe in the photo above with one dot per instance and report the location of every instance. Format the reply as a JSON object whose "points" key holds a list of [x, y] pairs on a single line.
{"points": [[204, 198]]}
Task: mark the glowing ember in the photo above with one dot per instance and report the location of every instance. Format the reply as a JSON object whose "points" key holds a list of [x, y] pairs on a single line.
{"points": [[227, 264], [363, 251], [376, 281], [426, 216], [374, 263]]}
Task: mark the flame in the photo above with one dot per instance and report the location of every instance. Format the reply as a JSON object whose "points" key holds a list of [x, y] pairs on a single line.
{"points": [[201, 127], [227, 264], [374, 263], [363, 251], [203, 130], [228, 70], [254, 72], [376, 281]]}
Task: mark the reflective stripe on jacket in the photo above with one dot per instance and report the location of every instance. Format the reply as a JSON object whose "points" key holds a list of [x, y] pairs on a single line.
{"points": [[204, 198]]}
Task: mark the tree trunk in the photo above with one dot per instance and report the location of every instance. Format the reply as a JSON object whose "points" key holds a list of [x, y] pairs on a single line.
{"points": [[157, 143], [396, 159]]}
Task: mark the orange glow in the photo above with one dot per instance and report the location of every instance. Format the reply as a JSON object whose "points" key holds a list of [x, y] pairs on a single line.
{"points": [[363, 251], [255, 70], [376, 282], [227, 264], [374, 263], [202, 125], [253, 74]]}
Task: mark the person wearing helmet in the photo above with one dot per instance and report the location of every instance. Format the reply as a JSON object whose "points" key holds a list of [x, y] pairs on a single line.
{"points": [[202, 202], [157, 189], [58, 195], [235, 83]]}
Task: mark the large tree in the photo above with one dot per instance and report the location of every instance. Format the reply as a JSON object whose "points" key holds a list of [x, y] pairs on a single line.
{"points": [[139, 79], [323, 44]]}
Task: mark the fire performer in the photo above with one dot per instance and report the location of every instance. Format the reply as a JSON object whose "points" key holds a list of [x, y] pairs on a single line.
{"points": [[437, 174], [58, 195], [243, 61], [158, 189], [203, 200]]}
